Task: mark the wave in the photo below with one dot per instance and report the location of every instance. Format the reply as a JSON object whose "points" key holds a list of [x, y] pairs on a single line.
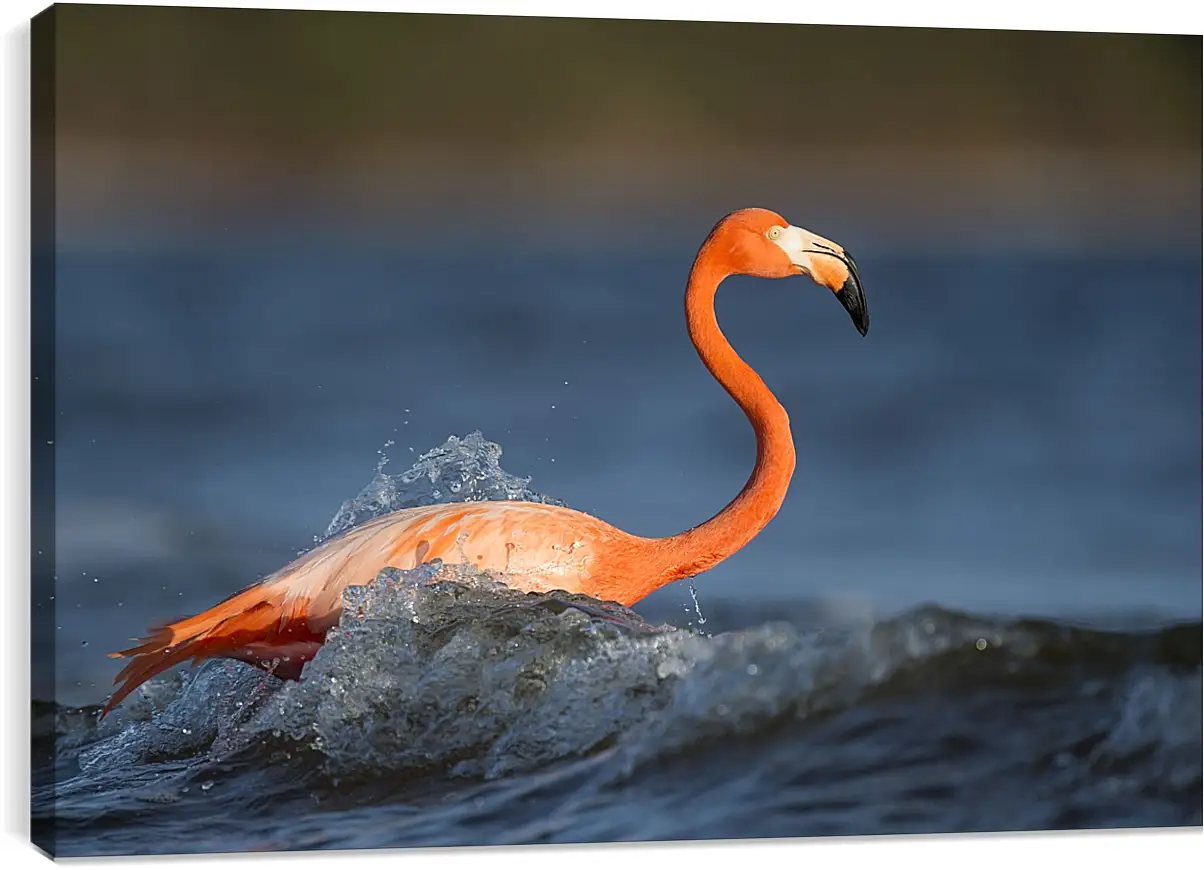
{"points": [[441, 674], [442, 670]]}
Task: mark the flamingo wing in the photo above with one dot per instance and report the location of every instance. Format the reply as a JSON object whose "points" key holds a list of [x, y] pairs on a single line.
{"points": [[280, 623]]}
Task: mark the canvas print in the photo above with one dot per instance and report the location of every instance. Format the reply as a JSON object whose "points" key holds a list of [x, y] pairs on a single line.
{"points": [[468, 430]]}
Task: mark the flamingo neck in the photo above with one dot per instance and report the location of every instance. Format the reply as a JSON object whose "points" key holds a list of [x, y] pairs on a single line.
{"points": [[706, 545]]}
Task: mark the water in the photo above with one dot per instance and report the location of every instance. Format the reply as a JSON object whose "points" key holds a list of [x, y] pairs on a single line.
{"points": [[447, 709], [978, 610]]}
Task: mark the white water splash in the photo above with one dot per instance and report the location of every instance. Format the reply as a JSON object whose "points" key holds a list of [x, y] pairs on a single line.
{"points": [[702, 620], [459, 470]]}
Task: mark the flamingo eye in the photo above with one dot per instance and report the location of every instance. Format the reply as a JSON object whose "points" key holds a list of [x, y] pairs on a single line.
{"points": [[774, 233]]}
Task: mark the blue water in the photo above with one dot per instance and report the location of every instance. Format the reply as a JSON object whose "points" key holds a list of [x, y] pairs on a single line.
{"points": [[1018, 436]]}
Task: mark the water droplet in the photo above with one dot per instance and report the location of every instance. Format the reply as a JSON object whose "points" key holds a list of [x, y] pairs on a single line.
{"points": [[205, 786], [752, 670], [83, 643], [981, 643], [702, 620]]}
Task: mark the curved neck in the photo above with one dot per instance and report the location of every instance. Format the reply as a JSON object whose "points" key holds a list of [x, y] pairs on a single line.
{"points": [[704, 546]]}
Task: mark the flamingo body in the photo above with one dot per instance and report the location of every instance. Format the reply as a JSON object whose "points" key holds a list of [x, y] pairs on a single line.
{"points": [[280, 623]]}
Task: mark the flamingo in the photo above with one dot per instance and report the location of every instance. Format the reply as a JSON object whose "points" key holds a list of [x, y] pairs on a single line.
{"points": [[279, 623]]}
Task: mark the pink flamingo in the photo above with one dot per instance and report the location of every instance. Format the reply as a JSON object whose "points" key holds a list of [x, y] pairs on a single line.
{"points": [[280, 623]]}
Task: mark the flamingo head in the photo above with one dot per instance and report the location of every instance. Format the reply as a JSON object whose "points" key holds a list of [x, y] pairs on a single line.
{"points": [[759, 242]]}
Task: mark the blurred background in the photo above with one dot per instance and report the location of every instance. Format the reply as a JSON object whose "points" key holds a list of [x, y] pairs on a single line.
{"points": [[286, 240]]}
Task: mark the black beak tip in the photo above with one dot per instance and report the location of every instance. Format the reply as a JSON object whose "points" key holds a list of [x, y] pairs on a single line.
{"points": [[853, 300]]}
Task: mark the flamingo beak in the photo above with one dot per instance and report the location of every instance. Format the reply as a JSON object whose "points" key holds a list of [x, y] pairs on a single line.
{"points": [[828, 265], [852, 297]]}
